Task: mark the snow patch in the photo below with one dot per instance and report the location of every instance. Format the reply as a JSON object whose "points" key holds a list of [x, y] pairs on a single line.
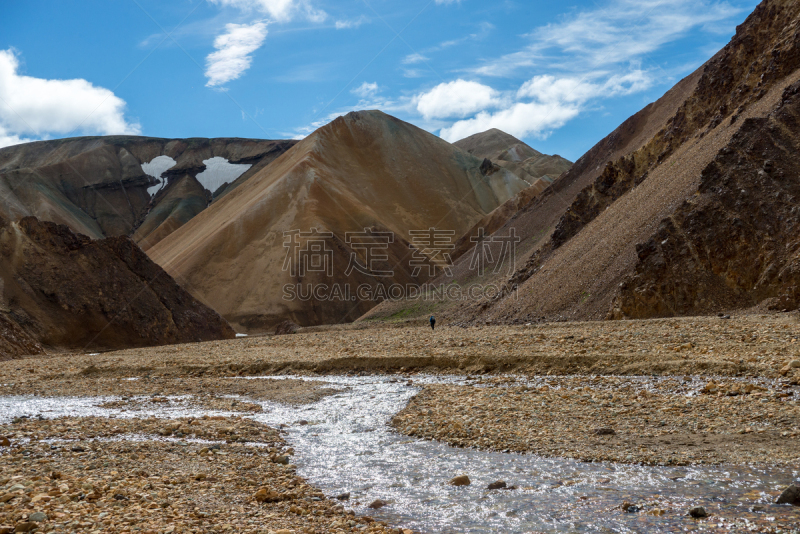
{"points": [[158, 166], [219, 171]]}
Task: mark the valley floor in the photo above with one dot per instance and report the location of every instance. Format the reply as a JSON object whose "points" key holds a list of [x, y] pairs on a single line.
{"points": [[703, 390]]}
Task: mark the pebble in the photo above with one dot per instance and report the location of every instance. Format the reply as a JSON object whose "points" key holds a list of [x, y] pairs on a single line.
{"points": [[127, 479], [500, 484], [377, 503], [641, 420], [461, 480], [698, 512]]}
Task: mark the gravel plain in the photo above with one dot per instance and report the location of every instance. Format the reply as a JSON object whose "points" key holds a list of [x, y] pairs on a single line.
{"points": [[687, 391]]}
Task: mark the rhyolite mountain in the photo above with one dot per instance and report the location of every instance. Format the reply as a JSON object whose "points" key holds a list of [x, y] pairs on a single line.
{"points": [[65, 291], [143, 187], [508, 152], [366, 170], [687, 207]]}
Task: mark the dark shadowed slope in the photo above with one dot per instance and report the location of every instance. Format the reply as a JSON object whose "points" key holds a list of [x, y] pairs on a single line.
{"points": [[67, 291]]}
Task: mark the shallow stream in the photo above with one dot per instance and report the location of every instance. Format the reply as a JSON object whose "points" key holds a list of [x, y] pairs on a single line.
{"points": [[343, 444]]}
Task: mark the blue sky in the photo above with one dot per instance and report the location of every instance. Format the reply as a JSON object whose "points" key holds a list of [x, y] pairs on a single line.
{"points": [[559, 75]]}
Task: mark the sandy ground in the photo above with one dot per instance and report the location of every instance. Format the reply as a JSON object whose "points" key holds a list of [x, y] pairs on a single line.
{"points": [[746, 346]]}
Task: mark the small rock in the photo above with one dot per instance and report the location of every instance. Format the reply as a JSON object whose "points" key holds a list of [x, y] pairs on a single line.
{"points": [[794, 364], [200, 476], [24, 526], [343, 496], [4, 442], [281, 460], [302, 422], [6, 529], [268, 495], [38, 517], [462, 480], [286, 327], [604, 431], [377, 503], [790, 495], [629, 508], [698, 512], [284, 531], [497, 485]]}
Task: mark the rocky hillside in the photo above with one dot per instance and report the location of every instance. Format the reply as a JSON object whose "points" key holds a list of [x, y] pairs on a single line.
{"points": [[737, 242], [508, 152], [593, 243], [504, 151], [366, 170], [14, 341], [143, 187], [595, 238], [64, 290]]}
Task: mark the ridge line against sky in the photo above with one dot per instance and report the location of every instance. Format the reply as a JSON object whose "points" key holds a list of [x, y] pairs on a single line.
{"points": [[557, 76]]}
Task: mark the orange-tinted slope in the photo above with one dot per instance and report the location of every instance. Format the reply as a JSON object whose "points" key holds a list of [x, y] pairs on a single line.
{"points": [[364, 170]]}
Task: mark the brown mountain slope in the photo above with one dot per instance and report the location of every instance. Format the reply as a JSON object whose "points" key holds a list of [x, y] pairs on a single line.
{"points": [[735, 244], [577, 273], [533, 217], [65, 290], [364, 170], [14, 341], [579, 236], [513, 155], [97, 185]]}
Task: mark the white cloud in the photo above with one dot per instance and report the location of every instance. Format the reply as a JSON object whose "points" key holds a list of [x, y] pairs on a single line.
{"points": [[348, 24], [277, 10], [39, 107], [366, 90], [519, 120], [553, 102], [620, 31], [414, 58], [458, 98], [8, 140], [548, 89], [234, 47]]}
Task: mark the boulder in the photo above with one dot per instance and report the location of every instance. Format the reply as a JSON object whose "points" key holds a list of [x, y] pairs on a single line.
{"points": [[790, 495], [462, 480]]}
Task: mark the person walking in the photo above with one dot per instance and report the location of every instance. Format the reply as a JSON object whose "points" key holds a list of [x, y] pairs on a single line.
{"points": [[433, 323]]}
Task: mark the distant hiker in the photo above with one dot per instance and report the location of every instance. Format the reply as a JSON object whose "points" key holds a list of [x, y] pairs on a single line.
{"points": [[433, 323]]}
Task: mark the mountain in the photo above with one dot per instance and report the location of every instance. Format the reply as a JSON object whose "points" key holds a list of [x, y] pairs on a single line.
{"points": [[366, 170], [142, 187], [510, 153], [678, 211], [64, 290]]}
